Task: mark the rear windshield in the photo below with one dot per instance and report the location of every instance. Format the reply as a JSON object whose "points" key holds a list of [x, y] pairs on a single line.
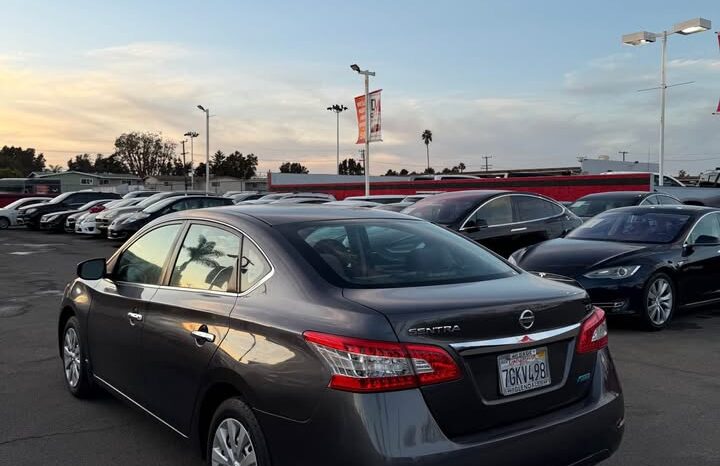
{"points": [[633, 227], [592, 207], [383, 254], [444, 213]]}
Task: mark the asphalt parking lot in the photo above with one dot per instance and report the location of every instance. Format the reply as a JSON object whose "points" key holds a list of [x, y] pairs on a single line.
{"points": [[671, 379]]}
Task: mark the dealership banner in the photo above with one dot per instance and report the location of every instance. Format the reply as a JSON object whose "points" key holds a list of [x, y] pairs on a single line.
{"points": [[375, 114]]}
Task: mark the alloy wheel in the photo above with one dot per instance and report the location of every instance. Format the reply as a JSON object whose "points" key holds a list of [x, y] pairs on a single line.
{"points": [[659, 301], [232, 445], [71, 357], [4, 223]]}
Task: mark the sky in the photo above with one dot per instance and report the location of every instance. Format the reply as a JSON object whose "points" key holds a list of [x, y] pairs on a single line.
{"points": [[533, 84]]}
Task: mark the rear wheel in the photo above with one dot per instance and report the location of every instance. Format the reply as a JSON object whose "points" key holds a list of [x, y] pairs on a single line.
{"points": [[659, 302], [4, 223], [75, 370], [235, 438]]}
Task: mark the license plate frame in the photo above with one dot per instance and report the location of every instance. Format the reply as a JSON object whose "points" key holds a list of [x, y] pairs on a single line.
{"points": [[523, 371]]}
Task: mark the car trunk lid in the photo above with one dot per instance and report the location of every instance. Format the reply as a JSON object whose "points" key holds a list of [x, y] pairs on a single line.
{"points": [[479, 324]]}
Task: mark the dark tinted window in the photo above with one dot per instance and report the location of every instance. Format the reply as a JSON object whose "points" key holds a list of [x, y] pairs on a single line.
{"points": [[442, 211], [207, 259], [707, 230], [496, 212], [253, 265], [650, 200], [144, 260], [591, 207], [533, 208], [634, 227], [667, 200], [380, 254]]}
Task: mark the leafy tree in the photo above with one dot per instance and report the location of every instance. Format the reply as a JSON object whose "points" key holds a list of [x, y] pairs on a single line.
{"points": [[81, 163], [682, 174], [429, 171], [391, 173], [461, 167], [200, 170], [240, 166], [426, 136], [351, 167], [9, 173], [404, 172], [145, 154], [293, 167], [21, 162], [110, 164]]}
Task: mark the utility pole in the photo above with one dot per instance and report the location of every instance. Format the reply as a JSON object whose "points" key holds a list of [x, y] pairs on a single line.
{"points": [[623, 153], [368, 109], [487, 158], [192, 135], [207, 147], [184, 166]]}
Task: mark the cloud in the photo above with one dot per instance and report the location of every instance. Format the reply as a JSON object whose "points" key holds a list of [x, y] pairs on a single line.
{"points": [[281, 116]]}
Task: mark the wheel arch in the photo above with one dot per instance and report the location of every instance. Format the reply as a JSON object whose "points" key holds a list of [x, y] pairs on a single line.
{"points": [[65, 314]]}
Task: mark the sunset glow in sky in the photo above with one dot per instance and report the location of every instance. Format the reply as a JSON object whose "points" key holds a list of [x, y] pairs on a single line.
{"points": [[531, 83]]}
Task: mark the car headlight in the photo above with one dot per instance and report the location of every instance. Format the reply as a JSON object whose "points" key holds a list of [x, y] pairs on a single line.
{"points": [[615, 273], [49, 218], [30, 211]]}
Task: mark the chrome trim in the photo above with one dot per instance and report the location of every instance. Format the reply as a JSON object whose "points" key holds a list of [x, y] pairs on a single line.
{"points": [[109, 385], [685, 242], [564, 211], [518, 229], [134, 316], [225, 293], [200, 335], [546, 336]]}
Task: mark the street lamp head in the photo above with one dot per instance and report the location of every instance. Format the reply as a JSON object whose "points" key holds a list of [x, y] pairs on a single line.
{"points": [[692, 26], [355, 67], [202, 108], [638, 38]]}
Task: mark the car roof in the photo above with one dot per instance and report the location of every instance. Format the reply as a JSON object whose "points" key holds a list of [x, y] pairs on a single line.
{"points": [[279, 214], [478, 194], [618, 195], [693, 210]]}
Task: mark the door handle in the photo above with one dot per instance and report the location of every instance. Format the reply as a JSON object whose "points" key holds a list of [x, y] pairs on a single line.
{"points": [[134, 317], [202, 335], [518, 229]]}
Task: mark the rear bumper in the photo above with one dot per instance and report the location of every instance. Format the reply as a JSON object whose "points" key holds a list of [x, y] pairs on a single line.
{"points": [[397, 429]]}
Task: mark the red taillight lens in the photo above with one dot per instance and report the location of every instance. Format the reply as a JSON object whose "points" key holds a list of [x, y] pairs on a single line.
{"points": [[593, 333], [376, 366]]}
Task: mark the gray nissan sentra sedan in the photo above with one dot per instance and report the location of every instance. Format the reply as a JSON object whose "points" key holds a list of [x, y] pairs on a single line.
{"points": [[315, 335]]}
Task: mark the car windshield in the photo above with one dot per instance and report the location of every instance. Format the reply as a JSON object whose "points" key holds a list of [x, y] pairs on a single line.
{"points": [[392, 253], [444, 213], [633, 227], [22, 202], [158, 206], [60, 198], [592, 207], [89, 205]]}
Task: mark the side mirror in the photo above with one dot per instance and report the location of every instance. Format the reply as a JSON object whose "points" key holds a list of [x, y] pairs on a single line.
{"points": [[706, 239], [93, 269]]}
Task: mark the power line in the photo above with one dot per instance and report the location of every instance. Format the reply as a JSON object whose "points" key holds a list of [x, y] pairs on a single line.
{"points": [[623, 153]]}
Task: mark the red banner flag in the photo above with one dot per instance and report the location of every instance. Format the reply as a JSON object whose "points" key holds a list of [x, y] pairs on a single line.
{"points": [[717, 112], [375, 117]]}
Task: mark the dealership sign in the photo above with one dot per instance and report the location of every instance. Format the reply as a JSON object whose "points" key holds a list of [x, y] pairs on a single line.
{"points": [[375, 120]]}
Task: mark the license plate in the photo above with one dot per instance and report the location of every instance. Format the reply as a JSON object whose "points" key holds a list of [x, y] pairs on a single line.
{"points": [[523, 371]]}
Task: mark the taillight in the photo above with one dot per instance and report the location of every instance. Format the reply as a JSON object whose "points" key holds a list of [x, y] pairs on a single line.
{"points": [[96, 209], [376, 366], [593, 333]]}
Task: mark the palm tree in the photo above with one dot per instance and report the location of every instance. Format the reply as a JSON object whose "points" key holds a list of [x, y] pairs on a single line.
{"points": [[203, 254], [55, 168], [427, 138]]}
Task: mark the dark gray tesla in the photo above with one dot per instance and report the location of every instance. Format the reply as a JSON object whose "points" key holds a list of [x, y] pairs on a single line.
{"points": [[316, 335]]}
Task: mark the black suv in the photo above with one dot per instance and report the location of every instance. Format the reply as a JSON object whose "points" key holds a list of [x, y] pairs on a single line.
{"points": [[30, 215]]}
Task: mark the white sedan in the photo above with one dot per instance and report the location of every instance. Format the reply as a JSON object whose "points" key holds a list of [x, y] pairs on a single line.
{"points": [[8, 214]]}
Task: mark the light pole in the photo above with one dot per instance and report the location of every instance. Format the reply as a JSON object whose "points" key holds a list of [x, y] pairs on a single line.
{"points": [[640, 38], [338, 109], [207, 147], [192, 135], [184, 166], [367, 75]]}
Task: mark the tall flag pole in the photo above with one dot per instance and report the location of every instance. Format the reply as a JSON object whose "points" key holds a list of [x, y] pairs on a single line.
{"points": [[717, 112]]}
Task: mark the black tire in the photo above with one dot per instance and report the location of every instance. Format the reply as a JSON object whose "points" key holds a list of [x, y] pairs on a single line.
{"points": [[4, 223], [651, 320], [234, 409], [82, 386]]}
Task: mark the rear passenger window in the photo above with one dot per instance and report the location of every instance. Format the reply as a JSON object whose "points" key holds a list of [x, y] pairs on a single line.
{"points": [[534, 208], [650, 200], [496, 212], [207, 259], [144, 260], [253, 266]]}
